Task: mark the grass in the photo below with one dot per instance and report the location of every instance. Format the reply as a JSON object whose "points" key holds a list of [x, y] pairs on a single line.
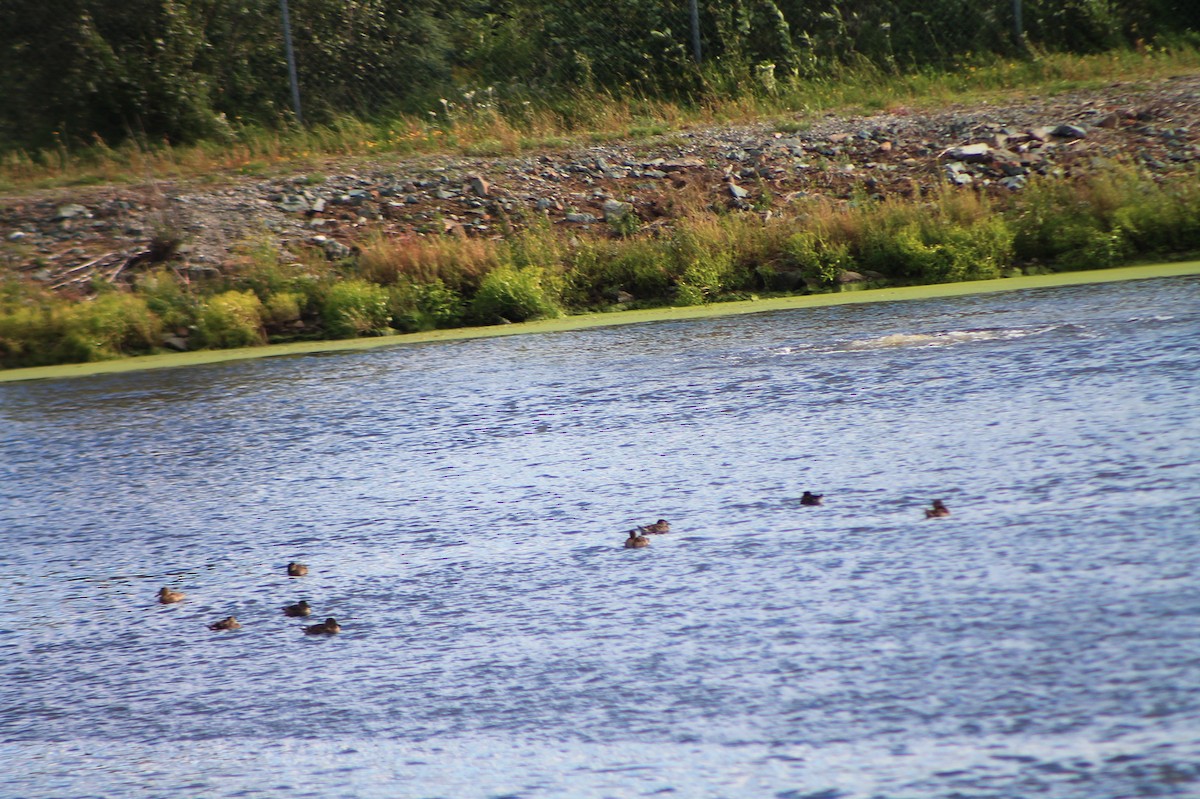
{"points": [[479, 128], [594, 320], [409, 284]]}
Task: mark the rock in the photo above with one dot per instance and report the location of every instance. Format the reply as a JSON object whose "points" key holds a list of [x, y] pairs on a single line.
{"points": [[546, 204], [71, 211], [334, 250], [737, 192], [479, 187], [615, 210], [177, 343], [973, 153], [1014, 182], [846, 276], [17, 235], [293, 204], [1069, 132], [582, 218]]}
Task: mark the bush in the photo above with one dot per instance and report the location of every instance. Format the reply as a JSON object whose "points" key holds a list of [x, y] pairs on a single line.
{"points": [[356, 308], [232, 319], [939, 251], [168, 300], [508, 294], [111, 325], [425, 306], [817, 259]]}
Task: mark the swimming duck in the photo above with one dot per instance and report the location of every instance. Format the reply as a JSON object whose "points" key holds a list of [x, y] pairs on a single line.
{"points": [[636, 540], [658, 528], [327, 627], [297, 569], [227, 623], [939, 509], [810, 498], [166, 596], [301, 608]]}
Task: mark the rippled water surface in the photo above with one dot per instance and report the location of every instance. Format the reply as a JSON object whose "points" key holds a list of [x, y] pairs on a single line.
{"points": [[462, 506]]}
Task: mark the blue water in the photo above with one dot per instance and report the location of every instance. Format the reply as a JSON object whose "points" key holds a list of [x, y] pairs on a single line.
{"points": [[462, 505]]}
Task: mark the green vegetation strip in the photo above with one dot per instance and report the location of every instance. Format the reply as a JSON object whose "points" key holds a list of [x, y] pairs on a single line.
{"points": [[586, 321]]}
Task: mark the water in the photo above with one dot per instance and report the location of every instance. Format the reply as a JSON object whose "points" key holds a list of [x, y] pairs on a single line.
{"points": [[462, 507]]}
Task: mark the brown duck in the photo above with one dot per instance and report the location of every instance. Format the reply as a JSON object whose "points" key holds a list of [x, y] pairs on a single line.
{"points": [[327, 627], [227, 623], [297, 569], [810, 498], [636, 540], [301, 608], [658, 528], [166, 596], [938, 510]]}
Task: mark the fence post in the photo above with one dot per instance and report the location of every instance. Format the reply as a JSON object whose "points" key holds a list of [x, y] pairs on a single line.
{"points": [[695, 11], [1018, 25], [291, 59]]}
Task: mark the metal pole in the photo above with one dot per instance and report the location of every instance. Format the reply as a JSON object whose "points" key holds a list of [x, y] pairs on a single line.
{"points": [[291, 59], [1018, 27], [695, 9]]}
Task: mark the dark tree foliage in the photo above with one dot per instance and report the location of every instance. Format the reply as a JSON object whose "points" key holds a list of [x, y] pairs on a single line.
{"points": [[75, 70]]}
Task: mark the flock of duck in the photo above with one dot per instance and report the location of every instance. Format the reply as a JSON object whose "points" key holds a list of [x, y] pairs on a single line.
{"points": [[301, 609], [640, 536]]}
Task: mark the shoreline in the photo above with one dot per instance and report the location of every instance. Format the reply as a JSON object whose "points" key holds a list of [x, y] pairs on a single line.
{"points": [[595, 320]]}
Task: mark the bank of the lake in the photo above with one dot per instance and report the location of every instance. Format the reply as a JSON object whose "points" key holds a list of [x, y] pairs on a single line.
{"points": [[584, 321]]}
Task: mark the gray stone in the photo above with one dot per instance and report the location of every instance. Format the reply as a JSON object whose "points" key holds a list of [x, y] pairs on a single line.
{"points": [[1014, 182], [846, 276], [970, 152], [71, 211], [293, 204], [177, 343], [1069, 132], [479, 186], [585, 219], [737, 192], [615, 210]]}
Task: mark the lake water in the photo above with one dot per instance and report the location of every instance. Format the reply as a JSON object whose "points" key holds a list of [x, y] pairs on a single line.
{"points": [[462, 507]]}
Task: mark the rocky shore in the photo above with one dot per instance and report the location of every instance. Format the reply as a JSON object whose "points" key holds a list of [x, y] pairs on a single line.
{"points": [[67, 238]]}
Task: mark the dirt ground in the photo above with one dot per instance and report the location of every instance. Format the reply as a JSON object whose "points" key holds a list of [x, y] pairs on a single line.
{"points": [[67, 238]]}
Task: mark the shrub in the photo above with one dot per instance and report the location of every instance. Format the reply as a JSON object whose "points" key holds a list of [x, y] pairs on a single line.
{"points": [[817, 259], [168, 300], [356, 308], [425, 306], [509, 294], [232, 319], [939, 251], [282, 308], [111, 325]]}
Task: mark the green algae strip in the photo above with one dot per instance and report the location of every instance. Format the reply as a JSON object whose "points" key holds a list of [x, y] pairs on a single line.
{"points": [[586, 321]]}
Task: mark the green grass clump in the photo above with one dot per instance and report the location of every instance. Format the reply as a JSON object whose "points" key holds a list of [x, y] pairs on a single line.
{"points": [[356, 307], [509, 294], [232, 319]]}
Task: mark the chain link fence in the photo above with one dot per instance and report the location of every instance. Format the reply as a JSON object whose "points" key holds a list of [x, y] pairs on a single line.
{"points": [[106, 70]]}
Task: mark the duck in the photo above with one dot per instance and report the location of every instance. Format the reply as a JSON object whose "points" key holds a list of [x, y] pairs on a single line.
{"points": [[327, 627], [297, 569], [810, 498], [636, 540], [301, 608], [658, 528], [166, 596], [227, 623], [939, 509]]}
